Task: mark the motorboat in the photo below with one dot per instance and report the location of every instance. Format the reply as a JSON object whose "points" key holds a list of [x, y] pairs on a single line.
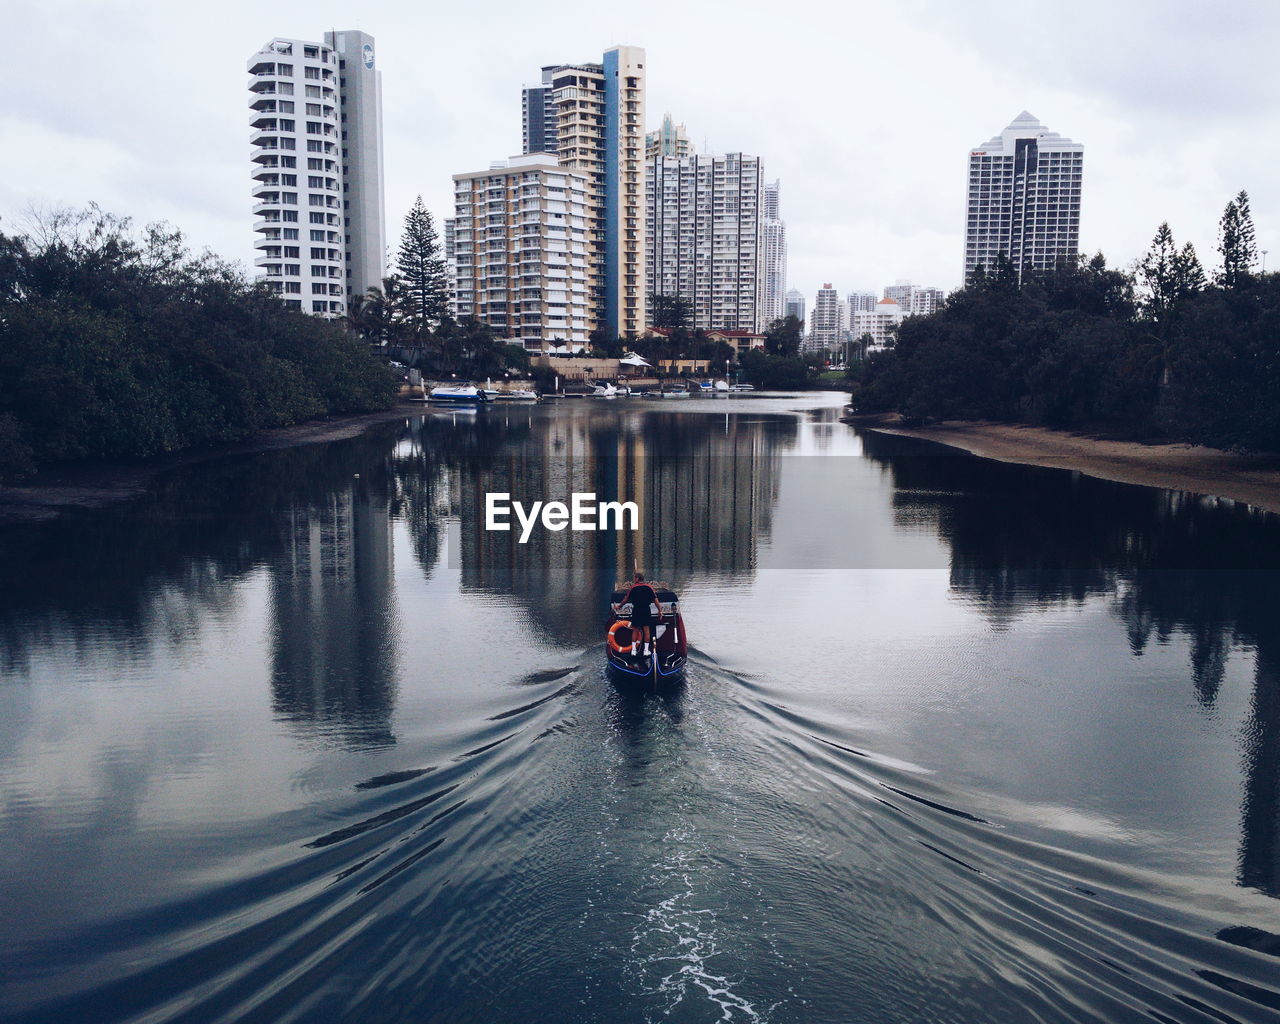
{"points": [[668, 393], [644, 637], [742, 387], [606, 390], [459, 394], [516, 395]]}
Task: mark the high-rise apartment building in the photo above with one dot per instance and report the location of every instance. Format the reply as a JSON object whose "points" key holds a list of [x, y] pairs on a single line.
{"points": [[926, 300], [670, 140], [774, 231], [599, 131], [702, 222], [862, 302], [538, 115], [1024, 198], [520, 244], [317, 169], [824, 321], [794, 305]]}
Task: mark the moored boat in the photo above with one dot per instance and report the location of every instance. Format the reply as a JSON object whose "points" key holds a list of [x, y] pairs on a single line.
{"points": [[644, 637], [668, 393], [454, 394]]}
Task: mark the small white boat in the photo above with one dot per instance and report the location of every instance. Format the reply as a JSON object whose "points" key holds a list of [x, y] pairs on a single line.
{"points": [[673, 393], [741, 387], [722, 386], [459, 394], [516, 395], [605, 390]]}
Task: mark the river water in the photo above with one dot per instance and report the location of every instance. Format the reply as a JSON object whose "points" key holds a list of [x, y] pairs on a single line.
{"points": [[294, 738]]}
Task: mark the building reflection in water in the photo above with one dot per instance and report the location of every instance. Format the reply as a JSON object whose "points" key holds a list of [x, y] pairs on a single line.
{"points": [[705, 487], [333, 649], [1171, 563]]}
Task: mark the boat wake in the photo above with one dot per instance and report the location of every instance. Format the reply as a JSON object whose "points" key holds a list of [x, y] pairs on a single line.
{"points": [[712, 853]]}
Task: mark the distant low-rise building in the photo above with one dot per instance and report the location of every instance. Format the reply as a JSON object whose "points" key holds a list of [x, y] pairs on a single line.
{"points": [[881, 323], [742, 341]]}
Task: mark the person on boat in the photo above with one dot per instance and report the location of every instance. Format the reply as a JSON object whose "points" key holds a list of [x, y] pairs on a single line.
{"points": [[645, 611]]}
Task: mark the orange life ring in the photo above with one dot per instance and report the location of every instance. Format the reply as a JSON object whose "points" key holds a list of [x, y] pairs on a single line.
{"points": [[616, 647]]}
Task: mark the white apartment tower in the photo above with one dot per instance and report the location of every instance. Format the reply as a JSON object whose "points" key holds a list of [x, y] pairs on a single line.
{"points": [[704, 234], [1024, 198], [775, 256], [519, 247], [880, 322], [824, 321], [316, 154]]}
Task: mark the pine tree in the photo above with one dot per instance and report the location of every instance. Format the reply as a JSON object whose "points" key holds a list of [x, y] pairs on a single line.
{"points": [[1158, 270], [1248, 242], [422, 270], [1188, 273], [1236, 242]]}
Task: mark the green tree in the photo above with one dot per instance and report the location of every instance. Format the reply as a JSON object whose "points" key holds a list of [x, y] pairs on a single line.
{"points": [[782, 337], [1190, 273], [1160, 273], [114, 345], [424, 300], [1236, 243], [669, 311]]}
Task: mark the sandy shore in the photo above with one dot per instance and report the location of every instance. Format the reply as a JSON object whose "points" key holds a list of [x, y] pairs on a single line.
{"points": [[1252, 479], [59, 490]]}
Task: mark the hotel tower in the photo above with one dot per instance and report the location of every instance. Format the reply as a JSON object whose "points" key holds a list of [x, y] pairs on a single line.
{"points": [[1024, 198]]}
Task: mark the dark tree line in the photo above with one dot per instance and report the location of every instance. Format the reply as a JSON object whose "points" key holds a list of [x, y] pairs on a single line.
{"points": [[117, 346], [1163, 351]]}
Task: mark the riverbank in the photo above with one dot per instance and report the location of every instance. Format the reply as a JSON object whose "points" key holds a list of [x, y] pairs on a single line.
{"points": [[60, 490], [1252, 479]]}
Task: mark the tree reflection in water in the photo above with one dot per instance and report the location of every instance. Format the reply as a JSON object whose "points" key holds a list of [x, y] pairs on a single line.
{"points": [[1023, 537]]}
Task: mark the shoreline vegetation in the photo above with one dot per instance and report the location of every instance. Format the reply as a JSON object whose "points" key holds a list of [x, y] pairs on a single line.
{"points": [[1164, 351], [63, 489], [1196, 469], [116, 346]]}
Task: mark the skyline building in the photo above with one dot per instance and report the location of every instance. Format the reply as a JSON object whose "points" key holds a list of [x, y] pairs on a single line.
{"points": [[774, 231], [538, 115], [702, 221], [518, 246], [862, 302], [881, 322], [1023, 198], [670, 140], [316, 151], [824, 322], [795, 305], [598, 115]]}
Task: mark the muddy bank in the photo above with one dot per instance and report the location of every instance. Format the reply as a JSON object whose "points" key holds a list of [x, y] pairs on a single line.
{"points": [[1252, 479], [60, 490]]}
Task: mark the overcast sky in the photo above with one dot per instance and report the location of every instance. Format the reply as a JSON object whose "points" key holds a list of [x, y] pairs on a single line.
{"points": [[865, 111]]}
